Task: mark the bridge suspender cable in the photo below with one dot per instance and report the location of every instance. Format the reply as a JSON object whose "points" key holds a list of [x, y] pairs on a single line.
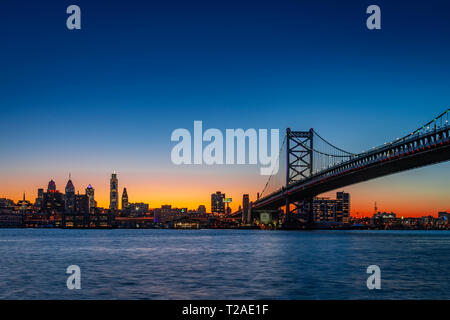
{"points": [[276, 166], [333, 146]]}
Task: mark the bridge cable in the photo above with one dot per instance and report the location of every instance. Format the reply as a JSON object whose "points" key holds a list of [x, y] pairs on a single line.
{"points": [[278, 159]]}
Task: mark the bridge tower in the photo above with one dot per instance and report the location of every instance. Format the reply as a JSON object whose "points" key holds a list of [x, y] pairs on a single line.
{"points": [[299, 164]]}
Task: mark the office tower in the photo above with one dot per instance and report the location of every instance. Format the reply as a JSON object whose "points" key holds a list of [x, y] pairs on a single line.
{"points": [[137, 209], [82, 204], [51, 186], [52, 200], [114, 192], [40, 197], [90, 195], [124, 199], [245, 207], [343, 207], [336, 210], [218, 203], [69, 197], [324, 209]]}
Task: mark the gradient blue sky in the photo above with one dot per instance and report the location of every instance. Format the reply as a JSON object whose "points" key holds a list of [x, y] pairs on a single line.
{"points": [[108, 96]]}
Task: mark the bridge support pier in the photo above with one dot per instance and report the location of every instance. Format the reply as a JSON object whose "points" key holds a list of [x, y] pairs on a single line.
{"points": [[288, 211], [310, 212]]}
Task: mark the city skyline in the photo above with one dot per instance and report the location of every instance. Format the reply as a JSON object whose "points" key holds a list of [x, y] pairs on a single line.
{"points": [[105, 199], [109, 95]]}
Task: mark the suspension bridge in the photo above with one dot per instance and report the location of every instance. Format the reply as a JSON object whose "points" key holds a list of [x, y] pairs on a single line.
{"points": [[315, 166]]}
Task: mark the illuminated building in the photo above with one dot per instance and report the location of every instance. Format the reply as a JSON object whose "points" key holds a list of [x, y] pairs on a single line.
{"points": [[218, 203], [114, 192], [82, 204], [53, 200], [137, 209], [332, 210], [51, 186], [124, 199], [39, 198], [69, 197], [343, 207], [23, 205], [324, 209], [90, 194]]}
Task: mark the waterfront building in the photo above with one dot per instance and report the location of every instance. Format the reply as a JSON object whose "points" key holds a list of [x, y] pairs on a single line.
{"points": [[324, 209], [114, 192], [218, 203], [137, 209], [245, 208], [342, 207]]}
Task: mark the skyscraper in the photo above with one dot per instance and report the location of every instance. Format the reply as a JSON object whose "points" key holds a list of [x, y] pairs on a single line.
{"points": [[53, 200], [218, 203], [90, 195], [51, 186], [39, 198], [343, 207], [69, 197], [114, 192], [338, 210], [245, 207], [124, 199]]}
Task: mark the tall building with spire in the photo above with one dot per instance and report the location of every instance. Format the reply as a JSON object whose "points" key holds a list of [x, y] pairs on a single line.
{"points": [[90, 195], [69, 197], [114, 192], [124, 199], [51, 186], [23, 204]]}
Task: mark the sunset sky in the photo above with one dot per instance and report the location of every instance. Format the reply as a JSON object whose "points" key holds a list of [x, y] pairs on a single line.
{"points": [[107, 97]]}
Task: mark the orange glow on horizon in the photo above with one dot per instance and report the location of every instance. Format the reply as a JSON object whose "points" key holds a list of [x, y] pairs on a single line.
{"points": [[189, 189]]}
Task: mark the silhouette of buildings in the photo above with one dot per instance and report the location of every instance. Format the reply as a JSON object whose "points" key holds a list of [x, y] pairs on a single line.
{"points": [[201, 209]]}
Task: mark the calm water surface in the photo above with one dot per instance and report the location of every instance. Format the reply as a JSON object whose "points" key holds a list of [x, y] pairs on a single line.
{"points": [[223, 264]]}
